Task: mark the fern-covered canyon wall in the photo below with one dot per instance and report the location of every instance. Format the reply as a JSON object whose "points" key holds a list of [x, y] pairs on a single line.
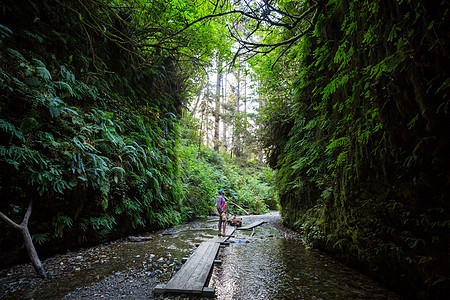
{"points": [[362, 149], [88, 127]]}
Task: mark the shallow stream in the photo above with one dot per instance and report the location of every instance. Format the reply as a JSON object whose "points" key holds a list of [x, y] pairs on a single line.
{"points": [[269, 262], [274, 264]]}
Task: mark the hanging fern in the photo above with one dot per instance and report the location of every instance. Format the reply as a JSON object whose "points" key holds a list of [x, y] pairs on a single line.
{"points": [[10, 128], [337, 143]]}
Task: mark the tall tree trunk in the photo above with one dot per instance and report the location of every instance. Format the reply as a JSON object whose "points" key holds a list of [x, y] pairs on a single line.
{"points": [[238, 90], [198, 99], [203, 119], [23, 228], [224, 121], [200, 134], [245, 112], [260, 152], [209, 129], [236, 135], [217, 108]]}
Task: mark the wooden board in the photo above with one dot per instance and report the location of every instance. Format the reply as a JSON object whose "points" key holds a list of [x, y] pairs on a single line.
{"points": [[192, 277], [220, 239], [254, 224]]}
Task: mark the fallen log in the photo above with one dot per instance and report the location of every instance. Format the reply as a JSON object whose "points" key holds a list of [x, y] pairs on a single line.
{"points": [[139, 238]]}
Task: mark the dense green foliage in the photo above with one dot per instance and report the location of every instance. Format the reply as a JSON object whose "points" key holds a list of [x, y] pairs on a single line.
{"points": [[91, 100], [85, 129], [361, 140], [247, 184]]}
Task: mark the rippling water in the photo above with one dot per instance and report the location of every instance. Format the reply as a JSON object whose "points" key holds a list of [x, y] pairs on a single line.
{"points": [[275, 265]]}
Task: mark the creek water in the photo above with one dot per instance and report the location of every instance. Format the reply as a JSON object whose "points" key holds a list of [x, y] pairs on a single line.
{"points": [[274, 264], [269, 262]]}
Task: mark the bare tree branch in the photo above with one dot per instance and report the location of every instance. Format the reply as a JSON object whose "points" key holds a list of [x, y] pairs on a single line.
{"points": [[28, 213], [247, 46], [281, 54], [9, 221]]}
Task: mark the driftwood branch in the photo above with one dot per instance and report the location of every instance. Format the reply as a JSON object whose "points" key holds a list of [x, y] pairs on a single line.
{"points": [[9, 221], [231, 202], [28, 241], [28, 213], [139, 238]]}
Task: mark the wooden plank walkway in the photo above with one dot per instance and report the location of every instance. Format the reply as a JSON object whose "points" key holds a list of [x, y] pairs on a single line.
{"points": [[193, 276], [220, 239], [254, 224]]}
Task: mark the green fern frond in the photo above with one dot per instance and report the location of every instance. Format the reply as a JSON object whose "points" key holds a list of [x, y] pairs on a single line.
{"points": [[4, 32], [340, 142], [17, 55], [10, 128], [66, 86], [341, 158], [40, 238], [60, 222]]}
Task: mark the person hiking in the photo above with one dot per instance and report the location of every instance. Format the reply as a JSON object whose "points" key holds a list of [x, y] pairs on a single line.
{"points": [[221, 205]]}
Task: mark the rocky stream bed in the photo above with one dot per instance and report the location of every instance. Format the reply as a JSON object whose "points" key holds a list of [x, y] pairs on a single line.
{"points": [[269, 263]]}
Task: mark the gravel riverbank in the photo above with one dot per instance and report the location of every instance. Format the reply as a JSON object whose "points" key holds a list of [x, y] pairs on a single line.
{"points": [[116, 270]]}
